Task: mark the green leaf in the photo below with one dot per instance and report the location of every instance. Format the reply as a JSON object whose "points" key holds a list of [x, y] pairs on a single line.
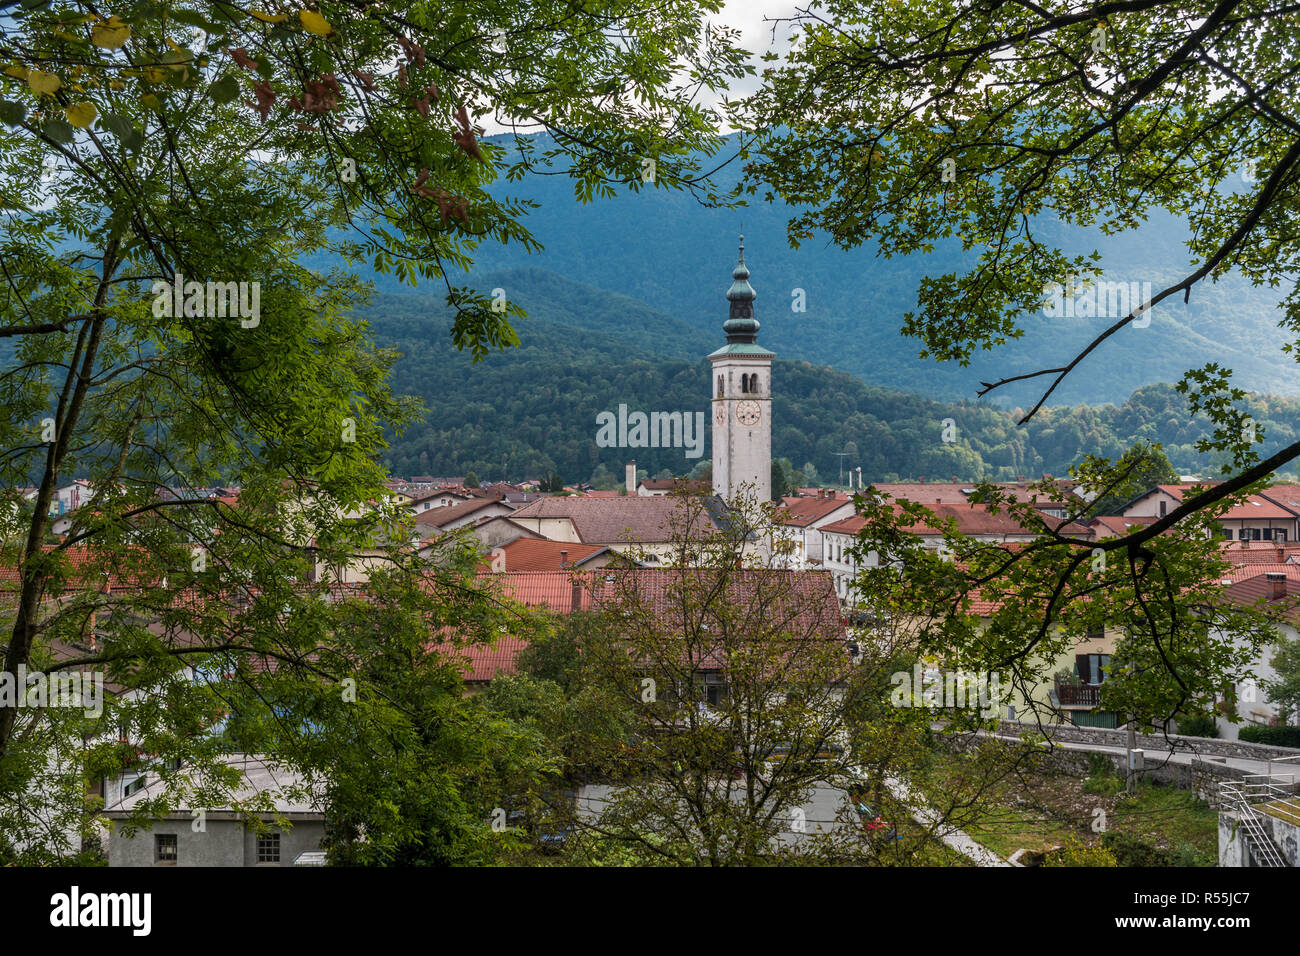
{"points": [[58, 130], [193, 19], [11, 114], [225, 89], [123, 129]]}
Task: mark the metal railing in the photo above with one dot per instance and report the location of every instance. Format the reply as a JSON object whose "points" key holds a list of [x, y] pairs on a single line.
{"points": [[1078, 695], [1272, 792]]}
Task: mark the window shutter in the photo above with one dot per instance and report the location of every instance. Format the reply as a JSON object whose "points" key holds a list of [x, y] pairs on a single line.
{"points": [[1084, 667]]}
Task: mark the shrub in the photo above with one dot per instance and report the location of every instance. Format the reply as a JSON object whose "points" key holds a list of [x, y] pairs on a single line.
{"points": [[1077, 853], [1129, 850], [1277, 736], [1198, 725]]}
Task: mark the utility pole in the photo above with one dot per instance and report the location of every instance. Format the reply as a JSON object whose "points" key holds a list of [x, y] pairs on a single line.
{"points": [[1135, 756], [841, 455]]}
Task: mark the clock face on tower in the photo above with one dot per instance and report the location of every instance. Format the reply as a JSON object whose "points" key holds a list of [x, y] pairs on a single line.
{"points": [[748, 413]]}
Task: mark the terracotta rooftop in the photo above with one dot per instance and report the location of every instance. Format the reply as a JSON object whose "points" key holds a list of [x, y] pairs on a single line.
{"points": [[619, 520], [441, 517], [801, 512], [970, 519], [803, 602], [959, 492], [1117, 526], [1251, 585], [541, 554], [1259, 552]]}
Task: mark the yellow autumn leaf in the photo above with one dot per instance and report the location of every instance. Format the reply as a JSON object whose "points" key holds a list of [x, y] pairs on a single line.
{"points": [[46, 84], [315, 23], [19, 72], [269, 18], [110, 34], [81, 115]]}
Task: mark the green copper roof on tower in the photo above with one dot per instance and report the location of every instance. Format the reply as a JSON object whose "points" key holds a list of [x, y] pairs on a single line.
{"points": [[741, 327]]}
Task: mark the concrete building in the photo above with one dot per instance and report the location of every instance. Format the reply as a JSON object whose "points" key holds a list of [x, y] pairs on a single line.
{"points": [[219, 836]]}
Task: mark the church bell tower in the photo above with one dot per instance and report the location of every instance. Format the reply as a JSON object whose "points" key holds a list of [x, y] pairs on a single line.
{"points": [[742, 398]]}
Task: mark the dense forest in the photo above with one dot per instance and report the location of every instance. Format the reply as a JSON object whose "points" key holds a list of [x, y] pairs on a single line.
{"points": [[664, 250], [532, 410]]}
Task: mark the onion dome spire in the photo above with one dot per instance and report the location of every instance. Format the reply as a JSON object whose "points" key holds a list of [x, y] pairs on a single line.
{"points": [[741, 327]]}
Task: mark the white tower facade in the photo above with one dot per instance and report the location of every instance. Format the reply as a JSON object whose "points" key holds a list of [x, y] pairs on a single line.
{"points": [[741, 383]]}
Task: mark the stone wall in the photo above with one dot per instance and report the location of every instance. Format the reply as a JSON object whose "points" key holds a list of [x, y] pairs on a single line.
{"points": [[1202, 746]]}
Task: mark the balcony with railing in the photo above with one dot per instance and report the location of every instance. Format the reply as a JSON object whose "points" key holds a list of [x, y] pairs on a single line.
{"points": [[1069, 694]]}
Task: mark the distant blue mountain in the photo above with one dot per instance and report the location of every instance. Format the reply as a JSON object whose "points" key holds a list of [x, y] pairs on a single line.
{"points": [[665, 250]]}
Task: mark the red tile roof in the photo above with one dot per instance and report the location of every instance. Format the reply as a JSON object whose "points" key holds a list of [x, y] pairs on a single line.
{"points": [[687, 485], [550, 590], [1285, 494], [958, 492], [441, 517], [1257, 507], [1117, 526], [1250, 585], [801, 512], [970, 519], [1259, 552], [805, 604], [541, 554], [620, 520]]}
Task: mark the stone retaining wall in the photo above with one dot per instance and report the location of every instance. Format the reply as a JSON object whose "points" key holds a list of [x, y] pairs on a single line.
{"points": [[1202, 746]]}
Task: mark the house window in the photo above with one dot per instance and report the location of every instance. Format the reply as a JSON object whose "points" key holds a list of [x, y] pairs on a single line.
{"points": [[1227, 533], [1091, 668], [268, 848], [1162, 508], [164, 849]]}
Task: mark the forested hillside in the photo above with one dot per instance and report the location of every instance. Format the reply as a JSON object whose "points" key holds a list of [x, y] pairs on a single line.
{"points": [[532, 409], [675, 256]]}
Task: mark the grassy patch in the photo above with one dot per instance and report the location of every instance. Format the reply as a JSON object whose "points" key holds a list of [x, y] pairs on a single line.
{"points": [[1037, 809]]}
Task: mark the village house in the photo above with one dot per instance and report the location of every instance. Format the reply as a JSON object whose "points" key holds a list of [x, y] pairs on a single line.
{"points": [[1260, 517], [440, 520], [1276, 588], [800, 522], [975, 521], [200, 835]]}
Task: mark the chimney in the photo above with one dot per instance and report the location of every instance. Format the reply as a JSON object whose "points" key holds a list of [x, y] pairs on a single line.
{"points": [[1276, 585], [631, 477], [576, 602]]}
